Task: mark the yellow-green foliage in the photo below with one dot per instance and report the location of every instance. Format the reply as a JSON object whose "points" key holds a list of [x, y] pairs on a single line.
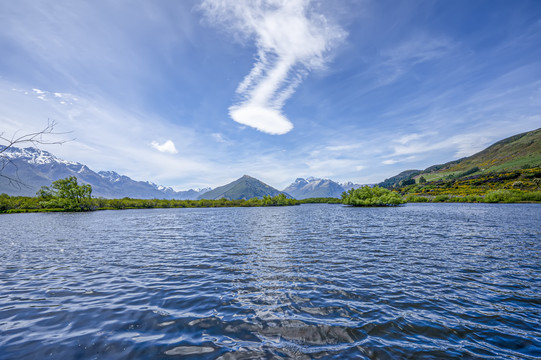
{"points": [[415, 199], [525, 179], [375, 196], [511, 196]]}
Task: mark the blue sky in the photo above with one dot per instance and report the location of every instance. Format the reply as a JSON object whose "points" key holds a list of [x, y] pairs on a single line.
{"points": [[198, 93]]}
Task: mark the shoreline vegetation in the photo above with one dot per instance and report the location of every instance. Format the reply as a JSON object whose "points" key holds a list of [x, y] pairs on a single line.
{"points": [[474, 186], [67, 196]]}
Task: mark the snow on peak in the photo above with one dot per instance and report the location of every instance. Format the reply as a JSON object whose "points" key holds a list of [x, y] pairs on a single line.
{"points": [[35, 156], [112, 176], [201, 190]]}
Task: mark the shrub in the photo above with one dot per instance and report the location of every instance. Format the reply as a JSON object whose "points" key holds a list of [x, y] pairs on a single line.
{"points": [[441, 198], [469, 171], [375, 196], [407, 182], [511, 196], [416, 199]]}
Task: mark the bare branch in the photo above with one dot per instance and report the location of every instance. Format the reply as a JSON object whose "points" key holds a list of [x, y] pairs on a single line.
{"points": [[35, 138]]}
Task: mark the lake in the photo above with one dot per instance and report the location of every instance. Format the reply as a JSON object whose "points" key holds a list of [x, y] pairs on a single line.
{"points": [[312, 281]]}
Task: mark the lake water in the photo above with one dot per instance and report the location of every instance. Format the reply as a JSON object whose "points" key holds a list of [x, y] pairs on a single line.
{"points": [[310, 281]]}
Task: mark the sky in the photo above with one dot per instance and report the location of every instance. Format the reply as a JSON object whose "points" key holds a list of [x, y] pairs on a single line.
{"points": [[190, 94]]}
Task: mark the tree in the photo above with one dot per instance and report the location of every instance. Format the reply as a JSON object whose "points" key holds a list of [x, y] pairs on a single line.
{"points": [[35, 138], [422, 180], [407, 182], [67, 194]]}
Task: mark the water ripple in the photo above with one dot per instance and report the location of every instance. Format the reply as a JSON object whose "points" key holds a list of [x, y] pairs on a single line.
{"points": [[315, 281]]}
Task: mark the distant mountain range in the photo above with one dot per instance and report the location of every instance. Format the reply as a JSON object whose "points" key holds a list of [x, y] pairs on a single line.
{"points": [[522, 151], [246, 187], [35, 168]]}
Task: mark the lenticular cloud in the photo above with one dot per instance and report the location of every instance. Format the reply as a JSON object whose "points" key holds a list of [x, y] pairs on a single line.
{"points": [[291, 40]]}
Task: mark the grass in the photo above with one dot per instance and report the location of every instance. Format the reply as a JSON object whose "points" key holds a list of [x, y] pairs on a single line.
{"points": [[531, 161]]}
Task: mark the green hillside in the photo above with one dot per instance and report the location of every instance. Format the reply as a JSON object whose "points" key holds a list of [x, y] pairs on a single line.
{"points": [[393, 181], [513, 154], [512, 164], [522, 151], [246, 187]]}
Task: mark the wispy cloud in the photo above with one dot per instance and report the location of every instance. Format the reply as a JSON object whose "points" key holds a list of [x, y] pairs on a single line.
{"points": [[463, 144], [219, 138], [166, 147], [291, 38], [414, 136], [340, 148], [107, 137], [421, 48]]}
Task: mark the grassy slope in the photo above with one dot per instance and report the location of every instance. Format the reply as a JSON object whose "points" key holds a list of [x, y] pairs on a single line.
{"points": [[512, 164], [516, 152]]}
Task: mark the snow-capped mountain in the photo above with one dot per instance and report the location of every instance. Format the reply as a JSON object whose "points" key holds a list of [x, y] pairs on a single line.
{"points": [[314, 187], [35, 156], [35, 168], [350, 185]]}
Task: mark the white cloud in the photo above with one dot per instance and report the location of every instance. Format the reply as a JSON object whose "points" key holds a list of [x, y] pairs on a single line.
{"points": [[291, 38], [262, 118], [389, 162], [166, 147]]}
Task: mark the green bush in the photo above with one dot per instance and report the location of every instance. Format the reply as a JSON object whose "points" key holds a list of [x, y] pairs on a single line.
{"points": [[502, 195], [367, 196], [511, 196], [416, 199], [441, 198], [473, 198]]}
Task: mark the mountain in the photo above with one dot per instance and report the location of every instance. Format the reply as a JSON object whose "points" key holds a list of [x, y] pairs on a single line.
{"points": [[313, 187], [350, 185], [35, 168], [521, 151], [246, 187], [515, 152], [398, 179]]}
